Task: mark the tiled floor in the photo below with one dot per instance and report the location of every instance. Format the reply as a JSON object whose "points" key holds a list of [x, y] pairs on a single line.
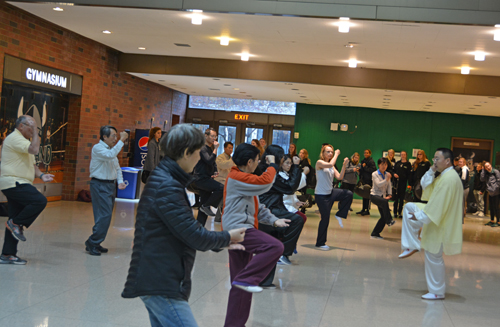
{"points": [[359, 282]]}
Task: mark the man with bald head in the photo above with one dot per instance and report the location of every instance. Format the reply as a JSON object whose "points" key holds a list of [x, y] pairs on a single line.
{"points": [[16, 182]]}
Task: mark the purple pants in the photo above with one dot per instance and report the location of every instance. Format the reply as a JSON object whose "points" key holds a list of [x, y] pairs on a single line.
{"points": [[251, 266]]}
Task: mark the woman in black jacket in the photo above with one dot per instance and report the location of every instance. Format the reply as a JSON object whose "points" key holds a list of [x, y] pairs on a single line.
{"points": [[273, 200], [365, 173], [153, 157], [167, 235], [420, 167], [402, 171]]}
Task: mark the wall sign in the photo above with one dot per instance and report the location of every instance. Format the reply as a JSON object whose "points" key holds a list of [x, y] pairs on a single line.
{"points": [[240, 117], [27, 72]]}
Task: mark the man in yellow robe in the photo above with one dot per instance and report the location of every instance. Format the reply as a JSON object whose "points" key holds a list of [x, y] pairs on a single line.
{"points": [[440, 220]]}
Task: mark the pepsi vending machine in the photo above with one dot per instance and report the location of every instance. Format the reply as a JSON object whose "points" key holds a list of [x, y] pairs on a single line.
{"points": [[141, 147]]}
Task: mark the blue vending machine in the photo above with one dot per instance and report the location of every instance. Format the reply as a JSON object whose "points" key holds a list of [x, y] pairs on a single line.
{"points": [[140, 147]]}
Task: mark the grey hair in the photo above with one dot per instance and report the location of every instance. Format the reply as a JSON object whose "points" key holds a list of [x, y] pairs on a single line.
{"points": [[106, 131], [179, 138], [21, 120]]}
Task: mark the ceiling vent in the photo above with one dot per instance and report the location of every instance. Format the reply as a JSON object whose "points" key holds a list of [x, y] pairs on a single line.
{"points": [[182, 45]]}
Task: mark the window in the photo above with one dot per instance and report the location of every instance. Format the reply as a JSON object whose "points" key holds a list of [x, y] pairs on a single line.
{"points": [[245, 105]]}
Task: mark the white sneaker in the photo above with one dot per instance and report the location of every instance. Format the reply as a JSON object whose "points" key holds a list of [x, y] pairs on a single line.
{"points": [[407, 253], [481, 214], [430, 296], [249, 288], [475, 213], [340, 221], [323, 247]]}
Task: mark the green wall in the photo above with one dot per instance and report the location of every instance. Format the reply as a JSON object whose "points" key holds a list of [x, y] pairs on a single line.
{"points": [[382, 129]]}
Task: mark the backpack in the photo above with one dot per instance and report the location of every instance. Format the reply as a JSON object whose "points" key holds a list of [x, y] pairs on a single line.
{"points": [[84, 196]]}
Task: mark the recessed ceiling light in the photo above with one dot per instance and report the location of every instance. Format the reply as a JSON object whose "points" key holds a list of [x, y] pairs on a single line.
{"points": [[388, 90], [224, 40], [243, 92], [161, 80], [344, 25], [483, 102], [349, 45], [465, 70], [353, 63], [197, 17], [386, 98], [214, 89], [473, 108], [227, 84], [288, 83], [496, 36], [295, 89], [477, 105], [387, 95], [342, 96], [492, 97], [142, 48], [479, 56], [57, 9], [107, 32], [216, 79], [245, 57], [432, 101], [236, 89], [303, 96]]}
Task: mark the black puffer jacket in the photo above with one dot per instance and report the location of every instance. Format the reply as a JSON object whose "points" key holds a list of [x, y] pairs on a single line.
{"points": [[167, 236], [273, 199]]}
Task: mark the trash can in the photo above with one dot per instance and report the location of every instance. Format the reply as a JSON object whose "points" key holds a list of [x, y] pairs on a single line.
{"points": [[130, 178]]}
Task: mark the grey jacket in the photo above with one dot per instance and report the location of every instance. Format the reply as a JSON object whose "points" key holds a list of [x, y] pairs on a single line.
{"points": [[492, 181], [350, 175], [241, 199], [153, 156]]}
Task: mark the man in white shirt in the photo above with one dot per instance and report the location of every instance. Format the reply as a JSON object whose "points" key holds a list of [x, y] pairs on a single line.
{"points": [[16, 182], [104, 172], [224, 164]]}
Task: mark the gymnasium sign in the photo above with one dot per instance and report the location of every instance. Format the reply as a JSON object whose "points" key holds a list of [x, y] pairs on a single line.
{"points": [[240, 117], [19, 70]]}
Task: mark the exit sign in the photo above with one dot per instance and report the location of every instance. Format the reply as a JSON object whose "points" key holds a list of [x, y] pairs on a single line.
{"points": [[240, 117]]}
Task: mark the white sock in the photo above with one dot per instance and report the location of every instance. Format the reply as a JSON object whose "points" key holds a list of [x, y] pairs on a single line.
{"points": [[340, 221]]}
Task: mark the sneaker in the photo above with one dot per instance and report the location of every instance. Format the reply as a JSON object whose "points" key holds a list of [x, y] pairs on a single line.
{"points": [[247, 287], [495, 225], [407, 253], [16, 230], [12, 259], [481, 214], [475, 213], [340, 222], [377, 237], [366, 213], [430, 296], [392, 222], [489, 223], [323, 247], [360, 212], [207, 211], [268, 287], [283, 260]]}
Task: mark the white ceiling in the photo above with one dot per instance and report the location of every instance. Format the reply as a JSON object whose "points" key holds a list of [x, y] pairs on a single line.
{"points": [[378, 44]]}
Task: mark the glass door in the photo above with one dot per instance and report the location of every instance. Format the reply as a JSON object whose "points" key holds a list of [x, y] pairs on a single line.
{"points": [[282, 137], [226, 134], [252, 133]]}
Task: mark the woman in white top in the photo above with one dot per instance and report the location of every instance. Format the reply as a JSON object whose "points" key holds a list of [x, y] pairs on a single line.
{"points": [[380, 194], [326, 195]]}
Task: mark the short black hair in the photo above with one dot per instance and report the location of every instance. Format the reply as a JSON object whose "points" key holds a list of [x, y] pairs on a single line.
{"points": [[243, 153], [226, 144], [276, 151], [447, 153], [383, 160], [106, 131], [210, 129], [179, 138]]}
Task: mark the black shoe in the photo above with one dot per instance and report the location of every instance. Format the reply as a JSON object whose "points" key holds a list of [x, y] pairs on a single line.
{"points": [[365, 213], [11, 259], [360, 212], [16, 230], [392, 222], [102, 250], [92, 250]]}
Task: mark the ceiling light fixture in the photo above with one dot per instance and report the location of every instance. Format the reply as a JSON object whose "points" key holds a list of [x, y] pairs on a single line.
{"points": [[57, 9], [496, 36], [197, 17], [353, 63], [465, 70], [224, 40], [142, 48], [344, 25], [245, 57], [107, 32], [479, 56]]}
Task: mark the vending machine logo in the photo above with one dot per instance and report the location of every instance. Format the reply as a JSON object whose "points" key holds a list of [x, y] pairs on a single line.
{"points": [[143, 143]]}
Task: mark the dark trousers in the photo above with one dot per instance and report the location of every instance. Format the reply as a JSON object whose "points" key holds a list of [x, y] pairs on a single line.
{"points": [[287, 235], [385, 213], [25, 203], [325, 204], [250, 266], [211, 193], [494, 210], [399, 197], [103, 200], [366, 202]]}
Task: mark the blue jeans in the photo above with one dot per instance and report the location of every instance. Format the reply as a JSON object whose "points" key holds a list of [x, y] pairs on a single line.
{"points": [[168, 312]]}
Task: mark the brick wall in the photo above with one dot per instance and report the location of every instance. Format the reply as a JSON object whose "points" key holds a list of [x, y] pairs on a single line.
{"points": [[108, 96]]}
